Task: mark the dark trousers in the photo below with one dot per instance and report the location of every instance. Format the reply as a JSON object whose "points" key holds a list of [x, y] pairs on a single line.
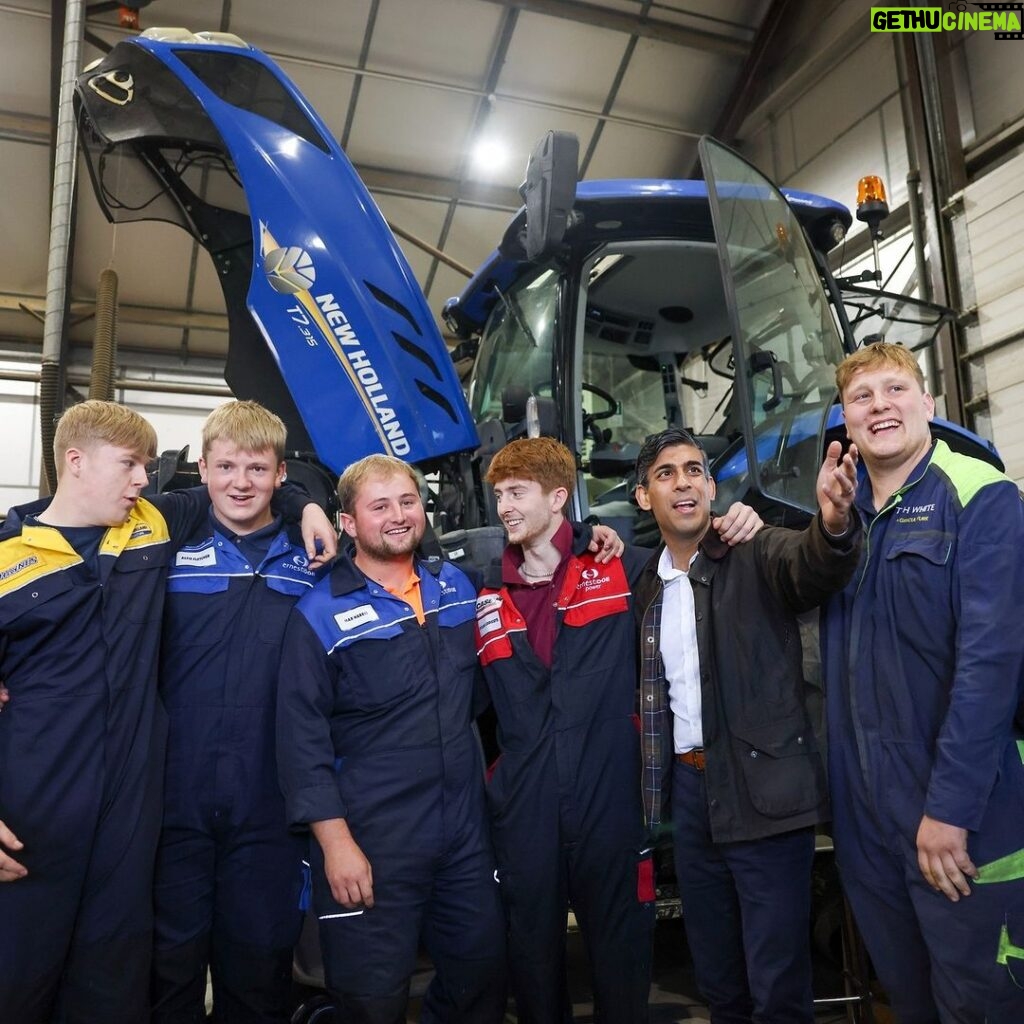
{"points": [[746, 909], [226, 899], [543, 879], [448, 903], [577, 844], [76, 933], [939, 961]]}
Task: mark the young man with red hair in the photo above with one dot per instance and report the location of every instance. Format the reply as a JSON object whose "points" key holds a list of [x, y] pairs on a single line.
{"points": [[557, 642]]}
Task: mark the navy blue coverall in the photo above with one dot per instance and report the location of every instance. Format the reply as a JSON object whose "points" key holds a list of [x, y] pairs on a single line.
{"points": [[375, 726], [924, 670], [81, 760], [565, 800], [229, 873]]}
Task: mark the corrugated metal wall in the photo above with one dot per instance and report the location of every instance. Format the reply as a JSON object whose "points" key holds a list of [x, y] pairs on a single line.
{"points": [[830, 112], [993, 216]]}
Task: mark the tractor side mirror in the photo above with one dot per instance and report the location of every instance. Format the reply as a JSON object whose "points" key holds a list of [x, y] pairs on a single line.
{"points": [[549, 191]]}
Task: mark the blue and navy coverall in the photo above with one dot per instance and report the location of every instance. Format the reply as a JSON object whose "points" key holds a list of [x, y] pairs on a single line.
{"points": [[924, 660], [81, 760], [229, 871], [375, 726], [565, 800]]}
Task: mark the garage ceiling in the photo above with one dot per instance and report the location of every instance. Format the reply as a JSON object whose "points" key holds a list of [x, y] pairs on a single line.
{"points": [[409, 87]]}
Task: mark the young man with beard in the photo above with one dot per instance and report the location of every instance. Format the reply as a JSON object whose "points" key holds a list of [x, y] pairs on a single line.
{"points": [[82, 578], [378, 757], [727, 742], [229, 873], [924, 665], [557, 643]]}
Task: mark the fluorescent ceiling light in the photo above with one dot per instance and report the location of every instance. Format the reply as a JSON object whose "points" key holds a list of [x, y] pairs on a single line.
{"points": [[489, 157]]}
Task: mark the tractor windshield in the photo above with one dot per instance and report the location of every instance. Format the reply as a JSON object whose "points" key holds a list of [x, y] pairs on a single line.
{"points": [[652, 317]]}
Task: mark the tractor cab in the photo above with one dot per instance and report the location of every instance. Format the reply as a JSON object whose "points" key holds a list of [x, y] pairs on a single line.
{"points": [[614, 309]]}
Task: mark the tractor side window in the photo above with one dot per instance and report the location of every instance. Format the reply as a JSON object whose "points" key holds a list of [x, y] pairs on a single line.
{"points": [[516, 344]]}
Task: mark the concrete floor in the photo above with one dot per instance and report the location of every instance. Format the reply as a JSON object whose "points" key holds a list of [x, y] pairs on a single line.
{"points": [[674, 998]]}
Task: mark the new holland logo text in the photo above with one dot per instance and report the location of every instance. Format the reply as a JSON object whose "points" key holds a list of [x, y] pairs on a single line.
{"points": [[365, 373], [290, 270]]}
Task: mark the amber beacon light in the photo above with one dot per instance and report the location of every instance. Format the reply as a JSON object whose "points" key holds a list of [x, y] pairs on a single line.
{"points": [[872, 208], [871, 202]]}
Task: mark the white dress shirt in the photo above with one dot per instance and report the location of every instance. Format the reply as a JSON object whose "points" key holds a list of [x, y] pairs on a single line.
{"points": [[679, 655]]}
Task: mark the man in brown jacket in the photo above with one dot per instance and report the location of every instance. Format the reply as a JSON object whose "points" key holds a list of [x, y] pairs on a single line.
{"points": [[726, 736]]}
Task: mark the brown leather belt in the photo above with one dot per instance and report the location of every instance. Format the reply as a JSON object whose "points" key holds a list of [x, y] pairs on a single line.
{"points": [[694, 758]]}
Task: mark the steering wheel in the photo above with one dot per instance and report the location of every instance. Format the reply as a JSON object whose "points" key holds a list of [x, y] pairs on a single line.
{"points": [[613, 405], [589, 418]]}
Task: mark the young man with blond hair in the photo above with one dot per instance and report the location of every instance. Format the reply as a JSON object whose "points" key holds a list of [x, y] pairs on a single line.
{"points": [[82, 578], [379, 759], [229, 874], [924, 667]]}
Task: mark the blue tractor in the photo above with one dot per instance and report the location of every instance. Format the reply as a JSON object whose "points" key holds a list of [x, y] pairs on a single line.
{"points": [[609, 310]]}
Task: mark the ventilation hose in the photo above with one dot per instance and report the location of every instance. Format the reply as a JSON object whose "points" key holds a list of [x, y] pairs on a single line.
{"points": [[57, 270], [49, 391], [104, 342]]}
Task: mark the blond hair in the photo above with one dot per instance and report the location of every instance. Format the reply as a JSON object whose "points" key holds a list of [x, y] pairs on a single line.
{"points": [[875, 357], [371, 465], [94, 422], [248, 426]]}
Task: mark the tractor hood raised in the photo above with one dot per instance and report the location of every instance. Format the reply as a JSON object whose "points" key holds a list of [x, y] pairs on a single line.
{"points": [[328, 326]]}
